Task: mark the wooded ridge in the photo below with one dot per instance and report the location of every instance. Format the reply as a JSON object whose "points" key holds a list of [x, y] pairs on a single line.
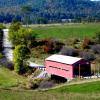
{"points": [[50, 10]]}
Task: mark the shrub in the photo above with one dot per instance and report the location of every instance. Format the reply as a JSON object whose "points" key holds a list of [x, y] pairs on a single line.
{"points": [[77, 46], [52, 46], [33, 84], [20, 54], [87, 56], [29, 85], [36, 83], [97, 37], [17, 67], [86, 43], [37, 51], [75, 41], [2, 26], [96, 48], [1, 55], [28, 70], [69, 51], [37, 72], [15, 26], [72, 41]]}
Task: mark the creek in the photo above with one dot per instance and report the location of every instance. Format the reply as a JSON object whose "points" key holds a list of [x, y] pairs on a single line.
{"points": [[7, 45]]}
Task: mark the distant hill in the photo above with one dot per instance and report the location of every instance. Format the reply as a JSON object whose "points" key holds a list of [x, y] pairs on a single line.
{"points": [[52, 10]]}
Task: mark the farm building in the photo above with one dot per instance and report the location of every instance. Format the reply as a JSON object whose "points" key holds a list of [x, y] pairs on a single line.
{"points": [[67, 66]]}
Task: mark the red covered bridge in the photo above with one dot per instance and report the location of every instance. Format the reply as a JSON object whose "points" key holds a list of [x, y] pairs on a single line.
{"points": [[67, 66]]}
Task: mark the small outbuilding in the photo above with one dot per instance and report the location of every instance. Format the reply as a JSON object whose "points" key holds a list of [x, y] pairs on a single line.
{"points": [[67, 66]]}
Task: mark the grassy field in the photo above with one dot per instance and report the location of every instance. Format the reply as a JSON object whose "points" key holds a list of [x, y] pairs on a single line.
{"points": [[31, 95], [9, 78], [91, 87], [64, 31], [89, 91], [86, 91]]}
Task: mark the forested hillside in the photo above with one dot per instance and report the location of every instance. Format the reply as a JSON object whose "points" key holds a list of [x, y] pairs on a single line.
{"points": [[44, 11]]}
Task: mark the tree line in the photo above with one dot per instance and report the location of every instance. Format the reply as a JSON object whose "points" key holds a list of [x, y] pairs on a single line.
{"points": [[50, 11]]}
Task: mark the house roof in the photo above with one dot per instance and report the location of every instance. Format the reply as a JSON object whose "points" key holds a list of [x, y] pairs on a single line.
{"points": [[63, 59]]}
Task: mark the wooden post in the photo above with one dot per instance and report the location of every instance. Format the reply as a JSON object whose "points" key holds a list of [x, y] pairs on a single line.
{"points": [[79, 71], [98, 69], [94, 68]]}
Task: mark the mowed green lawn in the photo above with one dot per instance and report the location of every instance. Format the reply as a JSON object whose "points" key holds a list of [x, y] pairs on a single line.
{"points": [[64, 31], [9, 78]]}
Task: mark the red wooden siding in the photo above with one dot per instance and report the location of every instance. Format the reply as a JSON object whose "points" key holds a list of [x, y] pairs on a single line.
{"points": [[59, 69]]}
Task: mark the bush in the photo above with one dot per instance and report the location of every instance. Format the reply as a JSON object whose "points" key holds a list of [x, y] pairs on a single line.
{"points": [[2, 26], [52, 46], [87, 56], [1, 55], [69, 51], [72, 41], [29, 71], [29, 85], [86, 43], [33, 84], [17, 67], [37, 72], [15, 26], [20, 54], [96, 48], [97, 37]]}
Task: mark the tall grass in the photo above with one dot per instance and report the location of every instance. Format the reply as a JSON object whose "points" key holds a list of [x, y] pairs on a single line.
{"points": [[86, 91], [9, 78]]}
